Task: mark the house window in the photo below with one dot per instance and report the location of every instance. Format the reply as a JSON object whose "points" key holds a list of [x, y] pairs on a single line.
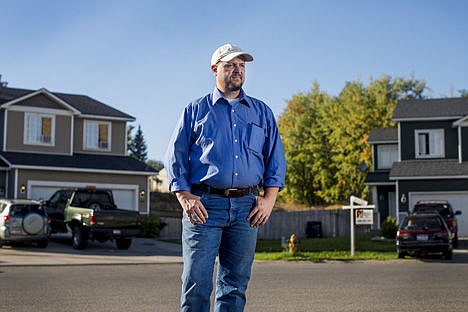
{"points": [[97, 135], [430, 143], [386, 155], [39, 129]]}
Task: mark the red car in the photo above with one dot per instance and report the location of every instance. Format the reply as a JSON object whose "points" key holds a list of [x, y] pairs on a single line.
{"points": [[443, 208]]}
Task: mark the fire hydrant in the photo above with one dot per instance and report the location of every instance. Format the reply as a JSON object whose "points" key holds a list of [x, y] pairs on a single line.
{"points": [[293, 244]]}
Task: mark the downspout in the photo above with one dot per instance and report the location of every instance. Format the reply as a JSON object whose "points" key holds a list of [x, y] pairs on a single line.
{"points": [[148, 196], [460, 158], [399, 142], [72, 134], [397, 201], [5, 122], [15, 186], [397, 185]]}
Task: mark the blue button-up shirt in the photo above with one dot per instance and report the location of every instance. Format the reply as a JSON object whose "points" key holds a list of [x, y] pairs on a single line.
{"points": [[225, 145]]}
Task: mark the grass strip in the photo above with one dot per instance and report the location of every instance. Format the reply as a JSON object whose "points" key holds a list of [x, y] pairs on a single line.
{"points": [[323, 249]]}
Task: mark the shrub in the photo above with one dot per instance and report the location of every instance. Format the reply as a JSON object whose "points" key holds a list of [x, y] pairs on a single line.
{"points": [[150, 226], [389, 227]]}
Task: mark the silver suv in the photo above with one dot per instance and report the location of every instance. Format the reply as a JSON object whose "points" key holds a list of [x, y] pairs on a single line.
{"points": [[23, 221]]}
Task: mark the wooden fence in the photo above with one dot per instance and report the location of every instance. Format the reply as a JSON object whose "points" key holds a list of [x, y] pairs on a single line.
{"points": [[332, 222]]}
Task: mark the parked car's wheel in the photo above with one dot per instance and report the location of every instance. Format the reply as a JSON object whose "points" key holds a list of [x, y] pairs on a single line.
{"points": [[448, 255], [401, 254], [123, 243], [79, 237], [33, 223], [455, 241], [43, 243]]}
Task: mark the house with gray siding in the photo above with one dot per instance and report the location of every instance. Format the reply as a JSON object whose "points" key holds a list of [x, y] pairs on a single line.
{"points": [[424, 158]]}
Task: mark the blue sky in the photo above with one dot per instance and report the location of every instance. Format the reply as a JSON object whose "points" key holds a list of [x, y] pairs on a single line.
{"points": [[151, 58]]}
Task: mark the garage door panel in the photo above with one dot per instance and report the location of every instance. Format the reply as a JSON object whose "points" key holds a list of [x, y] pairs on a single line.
{"points": [[125, 199], [42, 192], [458, 200]]}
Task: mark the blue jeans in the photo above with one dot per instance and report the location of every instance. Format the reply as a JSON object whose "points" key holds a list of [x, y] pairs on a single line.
{"points": [[229, 235]]}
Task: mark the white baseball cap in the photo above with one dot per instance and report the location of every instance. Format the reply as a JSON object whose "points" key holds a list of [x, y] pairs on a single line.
{"points": [[227, 52]]}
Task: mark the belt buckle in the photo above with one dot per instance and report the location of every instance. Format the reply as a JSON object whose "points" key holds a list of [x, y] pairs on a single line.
{"points": [[227, 192]]}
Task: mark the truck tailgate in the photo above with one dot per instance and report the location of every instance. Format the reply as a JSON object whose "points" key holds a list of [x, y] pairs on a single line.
{"points": [[116, 218]]}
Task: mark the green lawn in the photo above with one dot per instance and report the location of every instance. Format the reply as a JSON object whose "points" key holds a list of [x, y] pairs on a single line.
{"points": [[321, 249]]}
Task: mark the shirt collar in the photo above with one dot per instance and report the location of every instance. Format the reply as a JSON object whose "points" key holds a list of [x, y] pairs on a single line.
{"points": [[243, 98]]}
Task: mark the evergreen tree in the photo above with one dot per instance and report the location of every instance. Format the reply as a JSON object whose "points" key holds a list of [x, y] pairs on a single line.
{"points": [[138, 146]]}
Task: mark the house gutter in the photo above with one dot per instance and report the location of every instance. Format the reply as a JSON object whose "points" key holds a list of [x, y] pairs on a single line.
{"points": [[143, 173]]}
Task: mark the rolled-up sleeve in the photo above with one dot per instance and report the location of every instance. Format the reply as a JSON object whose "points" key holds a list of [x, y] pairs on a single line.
{"points": [[177, 154]]}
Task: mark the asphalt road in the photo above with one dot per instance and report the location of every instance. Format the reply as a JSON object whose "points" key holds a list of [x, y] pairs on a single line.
{"points": [[400, 285]]}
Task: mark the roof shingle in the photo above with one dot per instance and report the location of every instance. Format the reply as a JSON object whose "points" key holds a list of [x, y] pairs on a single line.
{"points": [[450, 108], [82, 103], [78, 161], [383, 135], [429, 169]]}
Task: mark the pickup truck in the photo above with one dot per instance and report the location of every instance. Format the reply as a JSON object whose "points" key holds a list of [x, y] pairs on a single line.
{"points": [[91, 214]]}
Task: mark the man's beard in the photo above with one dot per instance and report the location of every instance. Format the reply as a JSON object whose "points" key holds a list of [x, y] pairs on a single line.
{"points": [[234, 87]]}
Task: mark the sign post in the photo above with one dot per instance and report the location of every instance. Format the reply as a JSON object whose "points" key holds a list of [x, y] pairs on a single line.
{"points": [[364, 215]]}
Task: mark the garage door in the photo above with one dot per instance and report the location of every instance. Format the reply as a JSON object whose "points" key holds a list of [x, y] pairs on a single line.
{"points": [[458, 200], [124, 198]]}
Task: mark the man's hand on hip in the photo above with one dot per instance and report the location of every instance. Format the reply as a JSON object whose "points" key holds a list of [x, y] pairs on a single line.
{"points": [[192, 207]]}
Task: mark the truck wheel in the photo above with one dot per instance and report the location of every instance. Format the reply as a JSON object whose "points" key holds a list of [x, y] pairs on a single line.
{"points": [[123, 243], [43, 243], [79, 237]]}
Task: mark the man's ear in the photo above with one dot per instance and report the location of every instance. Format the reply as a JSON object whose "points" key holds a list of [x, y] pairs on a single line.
{"points": [[214, 69]]}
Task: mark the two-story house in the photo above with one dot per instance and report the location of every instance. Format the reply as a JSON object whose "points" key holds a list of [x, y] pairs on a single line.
{"points": [[53, 140], [424, 158]]}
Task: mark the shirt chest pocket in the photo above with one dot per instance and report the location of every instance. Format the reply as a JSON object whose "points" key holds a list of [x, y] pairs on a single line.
{"points": [[256, 138]]}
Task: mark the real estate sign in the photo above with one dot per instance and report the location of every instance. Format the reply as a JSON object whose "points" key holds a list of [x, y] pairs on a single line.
{"points": [[364, 216]]}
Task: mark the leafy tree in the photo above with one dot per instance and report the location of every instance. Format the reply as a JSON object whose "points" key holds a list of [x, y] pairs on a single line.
{"points": [[138, 146], [325, 137], [156, 164], [463, 93], [304, 144]]}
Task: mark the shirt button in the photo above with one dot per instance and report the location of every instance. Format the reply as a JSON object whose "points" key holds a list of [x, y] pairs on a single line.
{"points": [[232, 111], [236, 174], [235, 141], [235, 125], [237, 156]]}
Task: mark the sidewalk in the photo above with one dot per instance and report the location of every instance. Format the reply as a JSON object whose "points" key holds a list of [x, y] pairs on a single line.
{"points": [[61, 253]]}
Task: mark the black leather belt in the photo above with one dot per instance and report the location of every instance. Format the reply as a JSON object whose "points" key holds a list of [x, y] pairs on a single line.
{"points": [[230, 192]]}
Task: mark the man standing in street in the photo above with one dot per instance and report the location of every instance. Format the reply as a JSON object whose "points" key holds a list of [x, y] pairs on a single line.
{"points": [[225, 148]]}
